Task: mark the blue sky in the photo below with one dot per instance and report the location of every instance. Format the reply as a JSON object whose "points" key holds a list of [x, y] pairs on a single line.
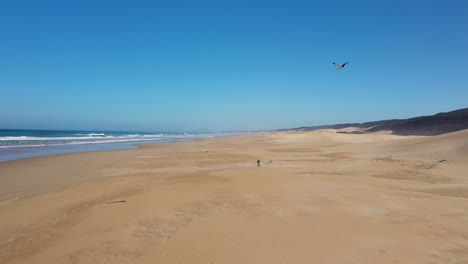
{"points": [[228, 65]]}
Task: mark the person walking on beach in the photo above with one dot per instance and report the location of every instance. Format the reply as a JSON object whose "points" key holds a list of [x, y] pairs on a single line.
{"points": [[258, 163]]}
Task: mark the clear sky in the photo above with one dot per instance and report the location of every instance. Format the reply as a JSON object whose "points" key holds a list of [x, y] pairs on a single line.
{"points": [[228, 65]]}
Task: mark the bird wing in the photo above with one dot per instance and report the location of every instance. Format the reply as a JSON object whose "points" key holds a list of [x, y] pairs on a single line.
{"points": [[344, 64]]}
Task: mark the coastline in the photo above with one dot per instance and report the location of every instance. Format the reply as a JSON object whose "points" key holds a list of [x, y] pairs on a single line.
{"points": [[25, 151], [317, 197]]}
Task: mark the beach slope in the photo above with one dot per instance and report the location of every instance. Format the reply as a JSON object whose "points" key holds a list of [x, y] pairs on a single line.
{"points": [[317, 197]]}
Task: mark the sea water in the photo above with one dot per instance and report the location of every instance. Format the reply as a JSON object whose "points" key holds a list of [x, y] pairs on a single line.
{"points": [[25, 143]]}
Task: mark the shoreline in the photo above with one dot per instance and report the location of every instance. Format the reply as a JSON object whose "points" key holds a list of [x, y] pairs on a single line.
{"points": [[21, 167], [318, 196], [25, 152]]}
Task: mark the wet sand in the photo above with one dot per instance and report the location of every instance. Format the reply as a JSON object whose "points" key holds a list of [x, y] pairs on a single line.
{"points": [[318, 197]]}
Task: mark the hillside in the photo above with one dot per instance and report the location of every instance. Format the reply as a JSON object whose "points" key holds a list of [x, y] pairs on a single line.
{"points": [[437, 124]]}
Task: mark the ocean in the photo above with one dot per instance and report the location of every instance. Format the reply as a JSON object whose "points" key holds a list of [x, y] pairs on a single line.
{"points": [[25, 143]]}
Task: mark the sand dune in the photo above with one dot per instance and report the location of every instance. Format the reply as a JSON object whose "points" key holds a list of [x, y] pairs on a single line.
{"points": [[453, 146], [319, 197]]}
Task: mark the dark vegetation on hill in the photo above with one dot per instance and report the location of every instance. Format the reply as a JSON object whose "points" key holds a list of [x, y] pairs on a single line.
{"points": [[423, 125]]}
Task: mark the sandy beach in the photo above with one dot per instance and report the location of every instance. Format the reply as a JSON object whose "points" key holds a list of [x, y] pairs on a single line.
{"points": [[318, 197]]}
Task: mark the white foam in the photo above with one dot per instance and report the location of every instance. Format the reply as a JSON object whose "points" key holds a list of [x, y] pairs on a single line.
{"points": [[11, 142], [26, 138], [92, 134]]}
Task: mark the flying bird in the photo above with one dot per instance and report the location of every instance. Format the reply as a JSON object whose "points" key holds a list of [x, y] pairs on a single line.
{"points": [[340, 67]]}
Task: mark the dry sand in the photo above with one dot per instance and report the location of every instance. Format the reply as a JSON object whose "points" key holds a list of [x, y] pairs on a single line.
{"points": [[325, 198]]}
